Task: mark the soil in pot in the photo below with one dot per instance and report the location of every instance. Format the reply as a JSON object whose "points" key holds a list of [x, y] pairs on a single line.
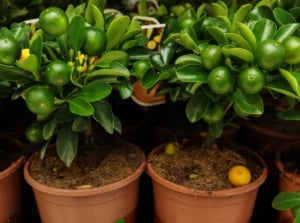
{"points": [[93, 167], [203, 168]]}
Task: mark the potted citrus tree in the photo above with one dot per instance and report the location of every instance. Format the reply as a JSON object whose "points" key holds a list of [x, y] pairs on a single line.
{"points": [[65, 65], [225, 61]]}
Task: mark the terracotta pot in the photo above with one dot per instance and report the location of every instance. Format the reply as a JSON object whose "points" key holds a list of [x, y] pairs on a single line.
{"points": [[288, 181], [266, 142], [11, 192], [178, 204], [106, 204], [145, 97]]}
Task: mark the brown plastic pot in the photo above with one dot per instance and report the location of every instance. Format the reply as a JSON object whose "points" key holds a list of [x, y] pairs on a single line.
{"points": [[145, 97], [288, 181], [106, 204], [11, 192], [178, 204]]}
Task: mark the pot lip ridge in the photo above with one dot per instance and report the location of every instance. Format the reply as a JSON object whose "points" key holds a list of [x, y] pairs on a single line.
{"points": [[12, 168], [203, 193], [270, 132], [84, 192]]}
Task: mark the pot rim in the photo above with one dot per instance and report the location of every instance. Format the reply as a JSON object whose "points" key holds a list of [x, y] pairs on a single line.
{"points": [[203, 193], [84, 192], [12, 168], [270, 132]]}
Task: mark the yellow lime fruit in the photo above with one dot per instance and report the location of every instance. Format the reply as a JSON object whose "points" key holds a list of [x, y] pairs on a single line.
{"points": [[239, 175], [171, 148]]}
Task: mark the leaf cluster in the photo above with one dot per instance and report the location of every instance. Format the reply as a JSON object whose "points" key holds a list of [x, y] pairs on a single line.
{"points": [[85, 99], [238, 33]]}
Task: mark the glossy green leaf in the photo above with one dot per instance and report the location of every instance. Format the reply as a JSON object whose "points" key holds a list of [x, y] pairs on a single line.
{"points": [[130, 44], [133, 30], [172, 26], [219, 9], [94, 14], [250, 104], [157, 61], [192, 73], [63, 46], [116, 69], [218, 34], [286, 200], [64, 115], [79, 106], [282, 16], [125, 89], [142, 7], [20, 32], [36, 48], [293, 114], [117, 124], [183, 39], [293, 78], [197, 106], [285, 31], [261, 12], [150, 78], [281, 86], [67, 144], [80, 124], [30, 64], [238, 52], [216, 129], [238, 40], [248, 34], [12, 73], [167, 51], [115, 31], [76, 32], [113, 56], [98, 17], [95, 91], [188, 59], [104, 116], [49, 129], [264, 29], [240, 15]]}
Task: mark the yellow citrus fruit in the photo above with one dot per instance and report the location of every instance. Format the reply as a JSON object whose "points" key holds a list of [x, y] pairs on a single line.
{"points": [[239, 175], [171, 148]]}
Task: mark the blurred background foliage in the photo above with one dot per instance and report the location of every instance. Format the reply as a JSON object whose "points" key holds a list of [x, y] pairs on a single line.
{"points": [[19, 10]]}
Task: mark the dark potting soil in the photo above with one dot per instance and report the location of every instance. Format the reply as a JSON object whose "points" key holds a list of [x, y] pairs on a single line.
{"points": [[203, 168], [291, 160], [110, 161]]}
